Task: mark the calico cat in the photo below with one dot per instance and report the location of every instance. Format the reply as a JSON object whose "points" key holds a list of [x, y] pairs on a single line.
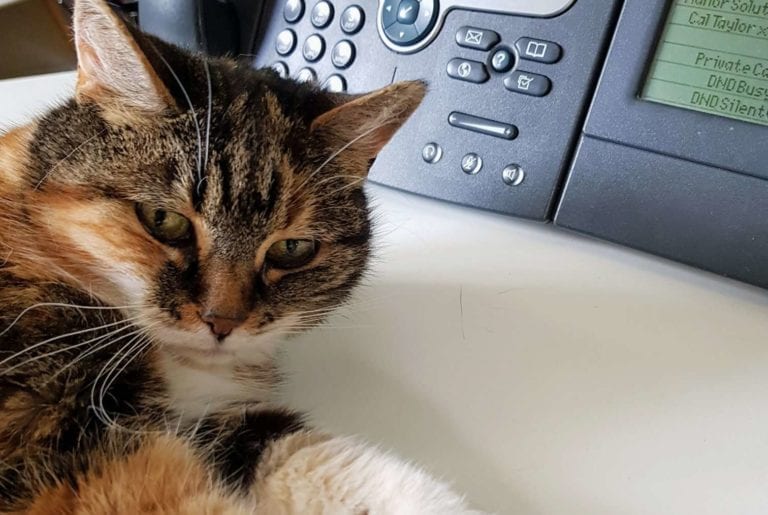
{"points": [[159, 233]]}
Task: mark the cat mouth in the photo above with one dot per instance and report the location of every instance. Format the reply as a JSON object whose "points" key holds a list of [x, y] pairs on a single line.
{"points": [[215, 350]]}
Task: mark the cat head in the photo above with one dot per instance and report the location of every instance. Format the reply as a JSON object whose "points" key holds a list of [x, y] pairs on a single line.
{"points": [[219, 204]]}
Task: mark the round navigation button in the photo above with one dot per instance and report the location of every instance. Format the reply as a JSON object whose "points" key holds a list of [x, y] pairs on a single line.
{"points": [[427, 16], [313, 48], [321, 15], [343, 54], [389, 12], [285, 42], [432, 153], [306, 75], [471, 163], [401, 34], [293, 10], [407, 11], [406, 22], [513, 175], [352, 19]]}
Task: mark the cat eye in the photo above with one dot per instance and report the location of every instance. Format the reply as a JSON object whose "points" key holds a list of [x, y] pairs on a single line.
{"points": [[165, 226], [291, 254]]}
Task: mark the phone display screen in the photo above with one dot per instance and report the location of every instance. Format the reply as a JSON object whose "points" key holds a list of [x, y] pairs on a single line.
{"points": [[713, 57]]}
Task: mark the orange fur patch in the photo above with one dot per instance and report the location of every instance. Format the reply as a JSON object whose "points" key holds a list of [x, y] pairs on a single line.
{"points": [[14, 153], [163, 477]]}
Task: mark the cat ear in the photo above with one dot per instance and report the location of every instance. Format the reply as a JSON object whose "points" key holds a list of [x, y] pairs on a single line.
{"points": [[366, 123], [112, 69]]}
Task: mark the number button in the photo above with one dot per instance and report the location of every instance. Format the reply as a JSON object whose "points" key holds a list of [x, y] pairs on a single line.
{"points": [[293, 10], [281, 68], [286, 42], [335, 84], [352, 19], [313, 49], [321, 14], [343, 54], [306, 75]]}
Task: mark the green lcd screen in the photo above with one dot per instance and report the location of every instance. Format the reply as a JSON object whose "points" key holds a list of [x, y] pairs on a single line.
{"points": [[713, 57]]}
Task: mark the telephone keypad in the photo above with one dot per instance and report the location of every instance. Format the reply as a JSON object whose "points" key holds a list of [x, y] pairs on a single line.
{"points": [[316, 45]]}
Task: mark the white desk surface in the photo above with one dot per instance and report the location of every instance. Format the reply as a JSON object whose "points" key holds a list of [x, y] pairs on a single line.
{"points": [[543, 373]]}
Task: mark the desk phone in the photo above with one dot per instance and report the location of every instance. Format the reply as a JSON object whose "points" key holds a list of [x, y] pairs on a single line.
{"points": [[642, 122]]}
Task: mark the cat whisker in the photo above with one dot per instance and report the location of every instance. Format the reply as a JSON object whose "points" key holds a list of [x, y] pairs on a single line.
{"points": [[65, 305], [112, 376], [62, 336], [192, 112], [335, 154], [108, 368], [59, 351], [101, 415], [81, 145], [94, 350], [6, 258], [318, 310], [355, 183], [208, 121]]}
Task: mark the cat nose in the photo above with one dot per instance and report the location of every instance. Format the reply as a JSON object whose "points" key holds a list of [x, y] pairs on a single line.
{"points": [[221, 326]]}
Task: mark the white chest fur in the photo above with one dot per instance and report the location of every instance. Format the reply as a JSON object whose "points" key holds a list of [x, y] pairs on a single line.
{"points": [[196, 391]]}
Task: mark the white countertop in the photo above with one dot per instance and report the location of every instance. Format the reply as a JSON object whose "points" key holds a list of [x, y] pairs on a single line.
{"points": [[543, 373]]}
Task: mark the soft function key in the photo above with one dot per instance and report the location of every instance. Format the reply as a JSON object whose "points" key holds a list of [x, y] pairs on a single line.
{"points": [[473, 37], [538, 50], [466, 70], [528, 83]]}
